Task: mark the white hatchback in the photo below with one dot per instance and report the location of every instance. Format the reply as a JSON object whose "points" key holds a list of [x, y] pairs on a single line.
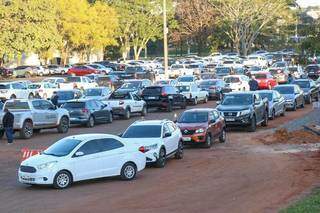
{"points": [[83, 157], [159, 139]]}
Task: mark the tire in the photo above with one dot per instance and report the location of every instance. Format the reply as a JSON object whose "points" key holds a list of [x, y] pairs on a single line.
{"points": [[62, 180], [127, 114], [162, 159], [1, 134], [144, 111], [27, 75], [208, 142], [31, 96], [303, 103], [220, 96], [13, 96], [128, 171], [206, 100], [195, 101], [283, 111], [90, 122], [223, 136], [253, 124], [309, 100], [169, 107], [265, 119], [295, 106], [27, 130], [273, 115], [179, 153], [110, 119], [184, 104], [63, 125]]}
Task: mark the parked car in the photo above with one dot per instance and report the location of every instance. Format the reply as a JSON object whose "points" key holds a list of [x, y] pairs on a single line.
{"points": [[97, 93], [164, 96], [265, 80], [202, 126], [33, 115], [6, 73], [134, 86], [111, 81], [177, 70], [222, 71], [23, 71], [255, 60], [40, 70], [125, 103], [280, 75], [67, 95], [244, 109], [81, 157], [237, 82], [54, 80], [13, 90], [207, 76], [159, 140], [293, 95], [88, 112], [81, 70], [55, 69], [78, 82], [193, 93], [215, 87], [310, 89], [187, 80], [296, 71], [276, 102], [197, 68], [44, 89], [171, 82], [313, 71], [102, 69]]}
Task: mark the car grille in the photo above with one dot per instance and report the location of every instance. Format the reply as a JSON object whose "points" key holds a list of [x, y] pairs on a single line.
{"points": [[28, 169], [187, 132], [230, 114]]}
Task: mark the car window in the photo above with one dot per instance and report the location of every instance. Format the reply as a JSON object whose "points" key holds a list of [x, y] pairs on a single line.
{"points": [[99, 104], [36, 104], [17, 86], [171, 127], [165, 129], [90, 147], [45, 105], [135, 97], [91, 105], [107, 144]]}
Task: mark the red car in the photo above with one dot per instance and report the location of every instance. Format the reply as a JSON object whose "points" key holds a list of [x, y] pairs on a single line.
{"points": [[82, 70], [265, 80], [202, 126]]}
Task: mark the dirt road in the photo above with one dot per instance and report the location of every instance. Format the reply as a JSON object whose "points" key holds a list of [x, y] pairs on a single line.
{"points": [[239, 176]]}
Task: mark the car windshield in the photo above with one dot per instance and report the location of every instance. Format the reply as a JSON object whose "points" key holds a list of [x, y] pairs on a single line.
{"points": [[223, 70], [293, 69], [303, 84], [267, 95], [231, 80], [183, 88], [254, 69], [185, 79], [74, 105], [193, 117], [238, 99], [131, 85], [74, 79], [34, 86], [66, 95], [143, 131], [284, 90], [62, 148], [193, 66], [120, 96], [279, 64], [208, 83], [260, 76], [93, 92], [175, 67], [17, 105], [4, 86], [228, 62]]}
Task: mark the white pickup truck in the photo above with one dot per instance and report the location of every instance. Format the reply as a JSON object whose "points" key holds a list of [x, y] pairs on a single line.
{"points": [[78, 82], [193, 93], [125, 103], [33, 115]]}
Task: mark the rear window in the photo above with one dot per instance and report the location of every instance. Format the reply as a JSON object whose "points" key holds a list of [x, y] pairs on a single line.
{"points": [[223, 70], [303, 84], [202, 83], [34, 86], [16, 105], [260, 76], [74, 79], [152, 90], [67, 95], [185, 79], [285, 90], [4, 86], [74, 105], [232, 80]]}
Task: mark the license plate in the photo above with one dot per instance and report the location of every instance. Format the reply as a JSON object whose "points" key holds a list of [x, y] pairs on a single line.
{"points": [[230, 119], [186, 139], [151, 98], [25, 178]]}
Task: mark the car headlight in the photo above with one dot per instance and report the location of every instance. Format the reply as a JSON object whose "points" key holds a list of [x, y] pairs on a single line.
{"points": [[150, 147], [48, 165], [200, 130], [245, 112], [221, 113]]}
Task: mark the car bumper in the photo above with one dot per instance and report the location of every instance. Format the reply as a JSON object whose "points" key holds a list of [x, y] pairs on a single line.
{"points": [[41, 178], [158, 103], [78, 120], [195, 138], [289, 104], [118, 110], [238, 121]]}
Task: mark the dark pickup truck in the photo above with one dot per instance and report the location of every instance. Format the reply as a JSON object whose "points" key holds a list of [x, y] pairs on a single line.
{"points": [[246, 109]]}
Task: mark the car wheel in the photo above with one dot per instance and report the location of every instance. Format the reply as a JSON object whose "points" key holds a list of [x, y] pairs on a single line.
{"points": [[265, 119], [208, 143], [62, 180], [295, 106], [273, 115], [161, 161], [31, 96], [27, 75], [144, 111], [90, 122], [36, 130], [303, 103], [128, 171], [63, 125], [223, 136], [179, 153], [27, 130], [13, 97], [220, 96], [1, 133], [110, 118], [206, 99], [253, 124], [40, 74], [195, 101], [283, 111], [184, 104], [169, 107], [127, 114]]}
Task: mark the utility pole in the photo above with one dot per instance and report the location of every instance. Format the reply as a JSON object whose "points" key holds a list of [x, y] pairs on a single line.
{"points": [[165, 38]]}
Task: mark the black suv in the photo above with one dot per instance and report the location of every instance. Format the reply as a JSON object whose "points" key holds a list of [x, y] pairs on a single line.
{"points": [[310, 89], [244, 109], [313, 71], [163, 96]]}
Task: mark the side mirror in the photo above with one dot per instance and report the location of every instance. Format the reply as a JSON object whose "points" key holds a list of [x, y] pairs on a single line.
{"points": [[166, 135], [257, 102], [212, 121], [79, 154]]}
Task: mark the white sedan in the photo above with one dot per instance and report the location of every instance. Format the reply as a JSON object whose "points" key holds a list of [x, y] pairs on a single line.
{"points": [[44, 89], [83, 157], [237, 82]]}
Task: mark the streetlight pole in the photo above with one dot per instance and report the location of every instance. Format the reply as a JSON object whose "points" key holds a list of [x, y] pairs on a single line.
{"points": [[165, 38]]}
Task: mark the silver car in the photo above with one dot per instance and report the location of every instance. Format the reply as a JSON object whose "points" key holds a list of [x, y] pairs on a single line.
{"points": [[276, 102]]}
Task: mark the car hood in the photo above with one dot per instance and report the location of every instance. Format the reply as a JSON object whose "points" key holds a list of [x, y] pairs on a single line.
{"points": [[39, 159], [288, 96], [192, 125], [142, 141], [233, 107]]}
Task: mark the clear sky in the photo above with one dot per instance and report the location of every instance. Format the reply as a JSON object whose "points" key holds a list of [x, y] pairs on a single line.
{"points": [[306, 3]]}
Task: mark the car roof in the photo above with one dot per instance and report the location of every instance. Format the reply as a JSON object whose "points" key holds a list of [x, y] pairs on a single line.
{"points": [[265, 91], [246, 92], [301, 80], [286, 85], [149, 122], [260, 72], [200, 110], [227, 76], [84, 137]]}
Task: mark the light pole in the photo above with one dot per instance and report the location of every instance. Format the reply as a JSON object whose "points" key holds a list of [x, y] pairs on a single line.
{"points": [[165, 38]]}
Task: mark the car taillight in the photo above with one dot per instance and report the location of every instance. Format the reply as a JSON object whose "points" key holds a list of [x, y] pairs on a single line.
{"points": [[164, 94], [143, 149], [85, 110], [121, 102]]}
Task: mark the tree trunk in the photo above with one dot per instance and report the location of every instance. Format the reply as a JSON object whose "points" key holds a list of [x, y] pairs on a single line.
{"points": [[135, 52]]}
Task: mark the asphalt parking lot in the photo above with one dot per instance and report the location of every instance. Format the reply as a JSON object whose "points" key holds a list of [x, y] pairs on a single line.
{"points": [[230, 177]]}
